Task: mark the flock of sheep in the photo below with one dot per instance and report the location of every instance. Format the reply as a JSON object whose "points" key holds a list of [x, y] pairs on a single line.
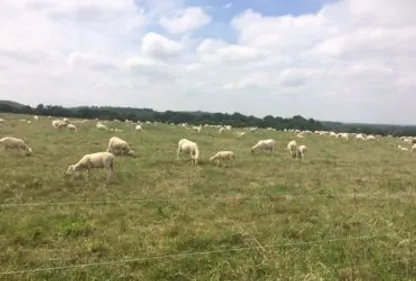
{"points": [[117, 146]]}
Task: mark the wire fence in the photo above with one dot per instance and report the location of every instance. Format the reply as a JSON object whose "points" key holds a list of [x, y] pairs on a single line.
{"points": [[187, 254], [288, 196]]}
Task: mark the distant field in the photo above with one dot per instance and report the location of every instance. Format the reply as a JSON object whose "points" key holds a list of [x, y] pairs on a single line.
{"points": [[269, 217]]}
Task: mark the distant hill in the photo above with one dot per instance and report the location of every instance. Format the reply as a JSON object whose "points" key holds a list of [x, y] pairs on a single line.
{"points": [[12, 103]]}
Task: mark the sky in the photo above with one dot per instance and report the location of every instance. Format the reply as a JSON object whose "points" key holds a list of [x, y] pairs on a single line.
{"points": [[338, 60]]}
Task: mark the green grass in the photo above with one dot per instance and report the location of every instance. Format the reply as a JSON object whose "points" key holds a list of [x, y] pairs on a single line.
{"points": [[268, 206]]}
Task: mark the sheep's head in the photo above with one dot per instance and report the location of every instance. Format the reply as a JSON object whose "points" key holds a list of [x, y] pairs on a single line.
{"points": [[211, 158], [71, 169], [131, 153]]}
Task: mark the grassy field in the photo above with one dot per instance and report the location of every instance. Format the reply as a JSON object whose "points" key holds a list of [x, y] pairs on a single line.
{"points": [[269, 217]]}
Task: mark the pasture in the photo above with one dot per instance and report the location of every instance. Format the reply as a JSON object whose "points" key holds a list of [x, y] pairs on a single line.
{"points": [[345, 212]]}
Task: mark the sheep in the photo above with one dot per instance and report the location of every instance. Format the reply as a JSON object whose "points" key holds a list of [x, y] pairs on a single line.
{"points": [[360, 137], [413, 148], [15, 143], [197, 128], [370, 137], [399, 147], [71, 127], [264, 145], [36, 118], [300, 151], [1, 120], [59, 124], [221, 130], [119, 146], [101, 126], [138, 128], [187, 146], [220, 156], [241, 134], [94, 161], [291, 147]]}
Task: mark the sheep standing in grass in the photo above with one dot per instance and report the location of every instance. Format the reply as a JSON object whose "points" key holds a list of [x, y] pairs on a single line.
{"points": [[1, 120], [101, 126], [264, 145], [98, 160], [71, 127], [187, 146], [300, 151], [138, 128], [413, 148], [221, 156], [59, 124], [291, 147], [14, 143], [119, 146]]}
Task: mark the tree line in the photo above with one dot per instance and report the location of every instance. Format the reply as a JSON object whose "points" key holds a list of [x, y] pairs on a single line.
{"points": [[236, 119]]}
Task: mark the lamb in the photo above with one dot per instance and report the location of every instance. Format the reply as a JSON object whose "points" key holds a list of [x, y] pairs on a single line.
{"points": [[187, 146], [119, 146], [264, 145], [223, 155], [71, 127], [291, 147], [15, 143], [94, 161], [300, 151]]}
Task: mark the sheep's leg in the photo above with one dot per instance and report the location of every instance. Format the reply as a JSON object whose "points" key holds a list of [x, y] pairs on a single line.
{"points": [[177, 154]]}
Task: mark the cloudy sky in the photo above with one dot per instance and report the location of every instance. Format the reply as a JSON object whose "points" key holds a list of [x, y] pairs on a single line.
{"points": [[347, 60]]}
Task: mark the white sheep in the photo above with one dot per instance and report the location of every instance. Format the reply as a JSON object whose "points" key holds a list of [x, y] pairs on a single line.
{"points": [[399, 147], [36, 118], [241, 134], [138, 128], [1, 120], [300, 151], [101, 126], [370, 137], [119, 146], [197, 128], [71, 127], [264, 145], [291, 147], [360, 137], [96, 160], [59, 124], [187, 146], [223, 155], [14, 143]]}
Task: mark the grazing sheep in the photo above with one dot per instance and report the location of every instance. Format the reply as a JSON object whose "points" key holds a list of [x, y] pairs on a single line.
{"points": [[138, 128], [36, 118], [96, 160], [399, 147], [221, 156], [291, 147], [300, 151], [343, 136], [1, 120], [370, 137], [71, 127], [101, 126], [360, 137], [264, 145], [413, 148], [59, 124], [221, 130], [241, 134], [119, 146], [14, 143], [197, 128], [187, 146]]}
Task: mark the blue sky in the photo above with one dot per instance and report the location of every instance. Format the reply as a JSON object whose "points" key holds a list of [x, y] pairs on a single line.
{"points": [[260, 57]]}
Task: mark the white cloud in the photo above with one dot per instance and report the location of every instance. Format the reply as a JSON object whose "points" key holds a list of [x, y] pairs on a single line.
{"points": [[352, 54], [228, 5], [156, 45], [185, 20]]}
